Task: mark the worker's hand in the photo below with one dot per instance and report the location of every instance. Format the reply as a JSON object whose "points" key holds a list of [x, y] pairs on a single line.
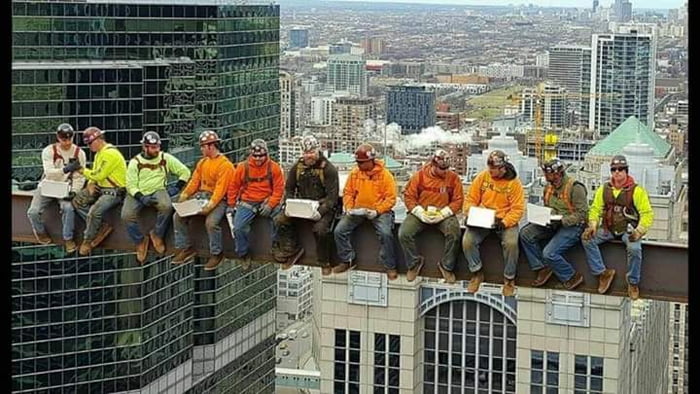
{"points": [[70, 167], [588, 233], [498, 225], [265, 210], [206, 209], [70, 196], [183, 197], [371, 214], [446, 212], [419, 212], [316, 216], [636, 235]]}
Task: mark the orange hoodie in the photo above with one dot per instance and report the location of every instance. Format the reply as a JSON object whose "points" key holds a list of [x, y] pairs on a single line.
{"points": [[374, 189], [434, 190], [503, 195], [210, 175], [259, 187]]}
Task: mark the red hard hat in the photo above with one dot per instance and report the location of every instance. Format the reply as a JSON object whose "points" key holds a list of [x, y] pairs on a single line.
{"points": [[91, 134], [208, 137], [365, 152]]}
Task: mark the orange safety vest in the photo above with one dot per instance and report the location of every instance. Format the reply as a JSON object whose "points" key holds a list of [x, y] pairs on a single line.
{"points": [[564, 196]]}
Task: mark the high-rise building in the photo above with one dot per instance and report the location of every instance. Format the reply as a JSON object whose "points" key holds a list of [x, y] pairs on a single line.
{"points": [[622, 80], [622, 10], [347, 73], [294, 292], [290, 105], [678, 349], [298, 38], [410, 106], [373, 45], [105, 323], [348, 119], [569, 67]]}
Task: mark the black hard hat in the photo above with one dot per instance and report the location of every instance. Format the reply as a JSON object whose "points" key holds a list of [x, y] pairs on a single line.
{"points": [[150, 138], [618, 161], [65, 130]]}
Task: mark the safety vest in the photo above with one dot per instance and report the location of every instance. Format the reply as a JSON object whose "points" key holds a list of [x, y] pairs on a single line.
{"points": [[317, 171], [620, 210], [442, 189], [57, 156], [267, 176], [565, 195]]}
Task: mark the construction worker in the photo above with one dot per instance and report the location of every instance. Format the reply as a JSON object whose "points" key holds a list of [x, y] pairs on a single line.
{"points": [[146, 186], [626, 214], [369, 195], [566, 197], [432, 196], [60, 161], [497, 188], [208, 183], [256, 189], [106, 186], [312, 177]]}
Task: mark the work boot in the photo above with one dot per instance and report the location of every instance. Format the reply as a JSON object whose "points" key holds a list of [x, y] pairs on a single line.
{"points": [[543, 276], [413, 272], [449, 276], [475, 281], [102, 233], [342, 267], [632, 291], [291, 260], [508, 287], [574, 282], [214, 262], [184, 256], [158, 243], [43, 238], [142, 250], [326, 270], [70, 246], [245, 262], [604, 280], [85, 247], [391, 273]]}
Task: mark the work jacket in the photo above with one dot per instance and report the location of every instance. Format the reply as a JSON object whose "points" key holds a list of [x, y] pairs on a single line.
{"points": [[374, 189]]}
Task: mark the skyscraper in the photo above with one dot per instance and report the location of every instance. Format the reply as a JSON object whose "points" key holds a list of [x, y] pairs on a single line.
{"points": [[410, 106], [622, 10], [290, 111], [105, 323], [347, 73], [568, 67], [298, 38], [622, 80]]}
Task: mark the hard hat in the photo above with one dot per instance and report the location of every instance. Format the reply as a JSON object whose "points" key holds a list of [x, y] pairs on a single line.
{"points": [[442, 159], [91, 134], [553, 165], [258, 147], [150, 138], [619, 161], [497, 158], [309, 143], [365, 152], [208, 137], [65, 130]]}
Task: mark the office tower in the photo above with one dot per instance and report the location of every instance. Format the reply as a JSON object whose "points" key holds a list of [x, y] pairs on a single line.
{"points": [[373, 45], [410, 106], [554, 106], [678, 349], [298, 38], [622, 10], [595, 5], [295, 295], [340, 48], [348, 118], [290, 108], [105, 323], [622, 80], [347, 73], [569, 67]]}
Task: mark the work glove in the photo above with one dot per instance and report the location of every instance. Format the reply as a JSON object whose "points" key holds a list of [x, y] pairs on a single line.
{"points": [[446, 212], [206, 209], [371, 214], [588, 233], [636, 235], [265, 210], [173, 190], [146, 201], [419, 212], [183, 197], [70, 167], [498, 225], [316, 216]]}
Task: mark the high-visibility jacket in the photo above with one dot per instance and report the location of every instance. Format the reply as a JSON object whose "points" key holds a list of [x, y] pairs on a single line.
{"points": [[640, 201], [210, 175], [109, 168], [256, 183], [147, 176], [427, 189], [374, 189], [505, 196]]}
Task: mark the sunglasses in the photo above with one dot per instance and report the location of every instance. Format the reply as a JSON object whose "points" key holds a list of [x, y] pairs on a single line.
{"points": [[259, 155], [618, 169]]}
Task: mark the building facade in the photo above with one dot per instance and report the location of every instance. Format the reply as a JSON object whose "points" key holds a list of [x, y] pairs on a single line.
{"points": [[411, 107], [347, 73], [298, 38], [290, 103], [105, 323], [569, 66], [294, 295], [348, 119]]}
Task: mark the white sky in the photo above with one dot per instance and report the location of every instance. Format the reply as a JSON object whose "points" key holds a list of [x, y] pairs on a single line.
{"points": [[658, 4]]}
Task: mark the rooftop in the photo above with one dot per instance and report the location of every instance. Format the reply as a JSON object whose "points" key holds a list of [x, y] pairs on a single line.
{"points": [[628, 132]]}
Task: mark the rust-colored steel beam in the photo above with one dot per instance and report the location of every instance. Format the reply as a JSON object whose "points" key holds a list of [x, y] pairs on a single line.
{"points": [[664, 268]]}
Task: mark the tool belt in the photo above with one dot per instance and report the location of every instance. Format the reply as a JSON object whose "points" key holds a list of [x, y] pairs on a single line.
{"points": [[252, 206], [112, 191]]}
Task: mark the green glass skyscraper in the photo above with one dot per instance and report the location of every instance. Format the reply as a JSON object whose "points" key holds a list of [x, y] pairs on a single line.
{"points": [[104, 323]]}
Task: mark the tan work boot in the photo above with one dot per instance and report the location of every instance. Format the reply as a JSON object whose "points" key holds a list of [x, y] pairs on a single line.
{"points": [[85, 247], [326, 270], [293, 259], [102, 233], [415, 271], [214, 262], [43, 238], [574, 282], [142, 250], [70, 246], [543, 276], [632, 291], [449, 276], [475, 281], [604, 280], [342, 267], [392, 274], [184, 256], [158, 243], [508, 287]]}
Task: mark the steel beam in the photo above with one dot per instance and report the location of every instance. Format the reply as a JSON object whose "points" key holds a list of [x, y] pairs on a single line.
{"points": [[664, 268]]}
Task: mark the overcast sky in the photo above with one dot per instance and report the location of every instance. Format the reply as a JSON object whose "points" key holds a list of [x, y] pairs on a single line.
{"points": [[662, 4]]}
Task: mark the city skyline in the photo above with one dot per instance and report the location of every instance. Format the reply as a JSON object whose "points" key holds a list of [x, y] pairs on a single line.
{"points": [[638, 4]]}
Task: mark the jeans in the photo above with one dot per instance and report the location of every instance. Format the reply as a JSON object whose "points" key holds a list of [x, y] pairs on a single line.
{"points": [[558, 242], [383, 227], [473, 237], [130, 215], [37, 207], [288, 237], [241, 223], [595, 260], [212, 223], [93, 214], [412, 226]]}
